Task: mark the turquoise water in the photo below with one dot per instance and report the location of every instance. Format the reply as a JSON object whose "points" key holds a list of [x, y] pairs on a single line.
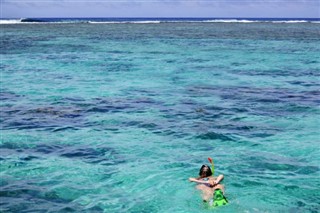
{"points": [[116, 117]]}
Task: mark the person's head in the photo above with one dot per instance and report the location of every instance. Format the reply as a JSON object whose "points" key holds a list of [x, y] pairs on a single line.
{"points": [[205, 171]]}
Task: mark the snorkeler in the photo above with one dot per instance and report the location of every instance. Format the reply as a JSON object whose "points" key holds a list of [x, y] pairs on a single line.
{"points": [[212, 190]]}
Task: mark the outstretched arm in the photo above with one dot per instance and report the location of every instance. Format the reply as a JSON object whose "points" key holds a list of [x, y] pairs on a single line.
{"points": [[211, 183], [219, 179], [197, 180]]}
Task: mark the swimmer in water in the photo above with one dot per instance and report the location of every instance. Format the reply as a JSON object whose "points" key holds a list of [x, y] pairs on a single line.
{"points": [[208, 184]]}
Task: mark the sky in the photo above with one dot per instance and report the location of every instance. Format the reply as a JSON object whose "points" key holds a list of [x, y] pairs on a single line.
{"points": [[160, 8]]}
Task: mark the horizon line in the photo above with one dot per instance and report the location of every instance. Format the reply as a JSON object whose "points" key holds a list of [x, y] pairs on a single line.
{"points": [[181, 17]]}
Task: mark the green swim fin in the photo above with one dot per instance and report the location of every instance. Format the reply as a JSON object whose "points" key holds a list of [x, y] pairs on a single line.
{"points": [[218, 198]]}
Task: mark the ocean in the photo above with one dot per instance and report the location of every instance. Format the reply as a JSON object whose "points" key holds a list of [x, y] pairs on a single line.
{"points": [[114, 115]]}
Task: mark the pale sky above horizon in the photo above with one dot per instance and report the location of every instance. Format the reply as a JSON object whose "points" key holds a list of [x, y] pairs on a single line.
{"points": [[161, 8]]}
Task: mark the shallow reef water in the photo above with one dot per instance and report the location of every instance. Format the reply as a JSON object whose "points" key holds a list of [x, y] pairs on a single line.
{"points": [[116, 117]]}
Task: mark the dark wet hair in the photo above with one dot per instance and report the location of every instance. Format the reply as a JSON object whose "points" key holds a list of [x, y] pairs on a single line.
{"points": [[208, 172]]}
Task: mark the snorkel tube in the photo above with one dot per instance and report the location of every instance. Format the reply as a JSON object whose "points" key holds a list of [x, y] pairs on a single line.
{"points": [[212, 165]]}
